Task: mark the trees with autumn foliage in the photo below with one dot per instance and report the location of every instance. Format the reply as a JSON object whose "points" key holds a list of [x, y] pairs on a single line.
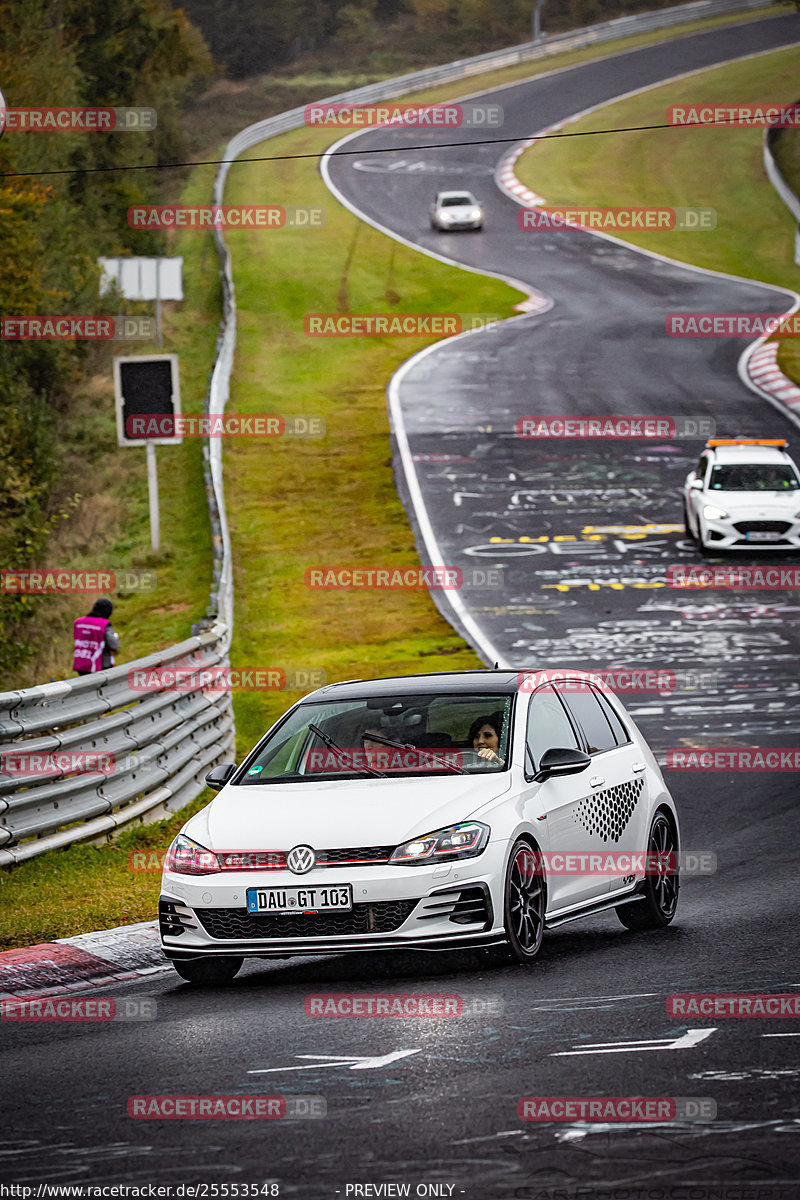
{"points": [[60, 208]]}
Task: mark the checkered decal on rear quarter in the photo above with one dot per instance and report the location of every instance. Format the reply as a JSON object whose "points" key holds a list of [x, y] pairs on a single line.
{"points": [[608, 812]]}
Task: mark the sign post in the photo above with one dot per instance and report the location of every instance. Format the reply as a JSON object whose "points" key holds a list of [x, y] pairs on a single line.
{"points": [[147, 395], [152, 496]]}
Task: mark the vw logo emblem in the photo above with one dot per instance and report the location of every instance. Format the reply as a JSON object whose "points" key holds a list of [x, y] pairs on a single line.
{"points": [[301, 859]]}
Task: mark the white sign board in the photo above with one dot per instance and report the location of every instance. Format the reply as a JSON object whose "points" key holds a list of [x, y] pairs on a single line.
{"points": [[143, 278]]}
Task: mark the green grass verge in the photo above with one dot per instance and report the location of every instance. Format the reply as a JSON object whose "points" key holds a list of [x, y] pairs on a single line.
{"points": [[719, 168], [82, 888]]}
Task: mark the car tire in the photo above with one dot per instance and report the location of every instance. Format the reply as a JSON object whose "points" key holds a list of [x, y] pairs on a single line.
{"points": [[686, 526], [524, 902], [211, 970], [657, 908]]}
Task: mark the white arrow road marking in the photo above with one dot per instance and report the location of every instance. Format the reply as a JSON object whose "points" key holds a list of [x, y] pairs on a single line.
{"points": [[354, 1061], [690, 1038]]}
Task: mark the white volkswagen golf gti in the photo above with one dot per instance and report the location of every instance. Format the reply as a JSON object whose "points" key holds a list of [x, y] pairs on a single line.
{"points": [[424, 812]]}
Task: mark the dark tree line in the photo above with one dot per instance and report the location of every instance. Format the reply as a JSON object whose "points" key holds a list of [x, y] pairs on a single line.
{"points": [[250, 37], [53, 227]]}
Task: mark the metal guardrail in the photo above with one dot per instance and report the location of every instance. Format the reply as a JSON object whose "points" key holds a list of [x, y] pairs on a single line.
{"points": [[158, 744], [776, 178], [162, 745]]}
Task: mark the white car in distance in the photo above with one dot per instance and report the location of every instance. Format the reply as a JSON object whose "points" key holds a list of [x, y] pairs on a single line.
{"points": [[455, 210], [744, 493]]}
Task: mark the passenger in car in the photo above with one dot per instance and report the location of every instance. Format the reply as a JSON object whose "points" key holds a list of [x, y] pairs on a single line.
{"points": [[484, 735]]}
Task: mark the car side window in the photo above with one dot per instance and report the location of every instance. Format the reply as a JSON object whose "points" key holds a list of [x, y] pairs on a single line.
{"points": [[621, 735], [700, 469], [586, 707], [548, 725]]}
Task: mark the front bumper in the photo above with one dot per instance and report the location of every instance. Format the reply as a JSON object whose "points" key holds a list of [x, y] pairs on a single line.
{"points": [[734, 533], [430, 907], [448, 226]]}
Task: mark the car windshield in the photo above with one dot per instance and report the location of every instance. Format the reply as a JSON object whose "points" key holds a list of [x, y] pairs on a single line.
{"points": [[753, 477], [386, 736], [457, 201]]}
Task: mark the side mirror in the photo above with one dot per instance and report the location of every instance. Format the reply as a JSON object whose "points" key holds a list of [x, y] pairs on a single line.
{"points": [[560, 761], [217, 777], [696, 485]]}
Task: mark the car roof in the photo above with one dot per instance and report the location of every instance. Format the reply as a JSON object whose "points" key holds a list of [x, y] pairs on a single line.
{"points": [[455, 192], [498, 682], [750, 454]]}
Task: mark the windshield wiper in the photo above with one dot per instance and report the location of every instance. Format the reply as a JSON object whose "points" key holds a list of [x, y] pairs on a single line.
{"points": [[377, 737], [331, 744]]}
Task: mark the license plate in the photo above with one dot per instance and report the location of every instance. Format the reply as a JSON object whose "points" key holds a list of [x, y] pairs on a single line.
{"points": [[763, 537], [299, 900]]}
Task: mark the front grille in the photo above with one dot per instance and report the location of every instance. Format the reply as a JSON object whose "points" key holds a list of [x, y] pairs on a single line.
{"points": [[762, 526], [354, 854], [235, 923], [462, 906]]}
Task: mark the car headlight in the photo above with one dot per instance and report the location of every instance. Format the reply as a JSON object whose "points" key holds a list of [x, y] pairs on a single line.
{"points": [[475, 214], [188, 858], [457, 841], [445, 216], [712, 513]]}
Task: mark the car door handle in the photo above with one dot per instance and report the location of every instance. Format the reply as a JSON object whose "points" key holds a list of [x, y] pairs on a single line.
{"points": [[637, 768], [596, 781]]}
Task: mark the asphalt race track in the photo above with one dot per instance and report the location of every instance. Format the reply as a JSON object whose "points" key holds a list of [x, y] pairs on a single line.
{"points": [[431, 1104], [587, 529]]}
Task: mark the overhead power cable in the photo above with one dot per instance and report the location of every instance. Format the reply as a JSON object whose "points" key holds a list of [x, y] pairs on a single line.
{"points": [[217, 162]]}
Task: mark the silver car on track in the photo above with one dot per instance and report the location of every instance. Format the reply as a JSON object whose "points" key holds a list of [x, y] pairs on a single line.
{"points": [[456, 210]]}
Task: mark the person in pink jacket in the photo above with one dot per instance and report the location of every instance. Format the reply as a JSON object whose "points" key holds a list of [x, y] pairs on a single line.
{"points": [[96, 642]]}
